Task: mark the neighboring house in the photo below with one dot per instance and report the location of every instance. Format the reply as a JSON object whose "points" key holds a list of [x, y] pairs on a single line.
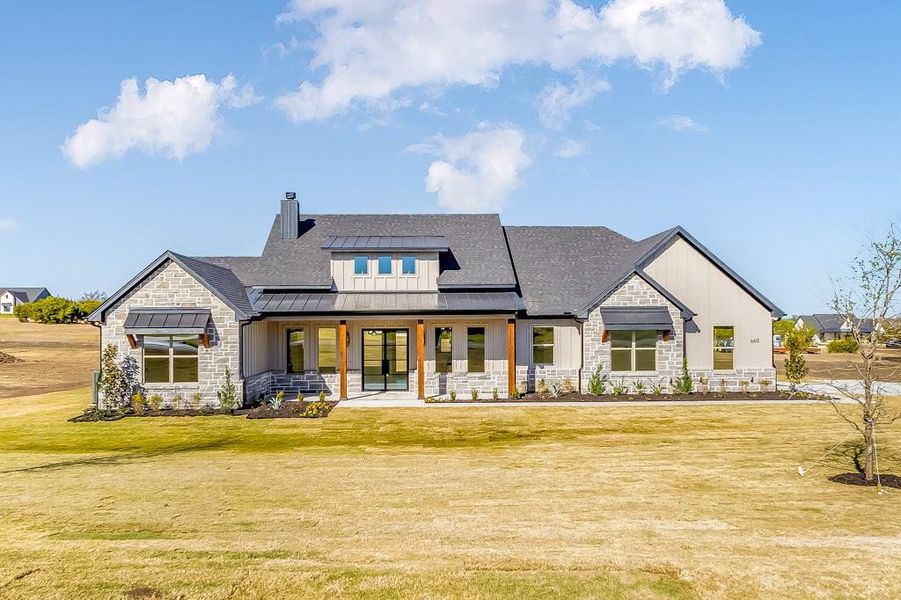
{"points": [[829, 327], [427, 304], [13, 296]]}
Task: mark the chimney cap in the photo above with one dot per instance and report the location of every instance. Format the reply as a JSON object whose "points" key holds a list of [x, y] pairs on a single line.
{"points": [[290, 196]]}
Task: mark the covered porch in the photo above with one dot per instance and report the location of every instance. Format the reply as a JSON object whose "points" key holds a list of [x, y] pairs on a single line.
{"points": [[379, 356]]}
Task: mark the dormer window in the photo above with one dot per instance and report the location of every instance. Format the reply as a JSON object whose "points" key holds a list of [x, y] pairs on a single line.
{"points": [[384, 265], [408, 265], [361, 265]]}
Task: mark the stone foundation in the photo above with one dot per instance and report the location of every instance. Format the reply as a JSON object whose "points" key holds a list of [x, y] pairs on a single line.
{"points": [[441, 384], [739, 380]]}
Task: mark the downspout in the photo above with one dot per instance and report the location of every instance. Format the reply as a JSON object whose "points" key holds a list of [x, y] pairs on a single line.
{"points": [[95, 376]]}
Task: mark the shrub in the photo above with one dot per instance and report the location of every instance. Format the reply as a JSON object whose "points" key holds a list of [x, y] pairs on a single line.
{"points": [[683, 383], [319, 408], [845, 346], [744, 383], [597, 385], [137, 402], [619, 388], [765, 385], [657, 388], [453, 395], [556, 389], [541, 387], [155, 401], [704, 384], [568, 386], [178, 401], [55, 309], [723, 385], [474, 393], [494, 394], [277, 401], [196, 400], [228, 393], [23, 311], [639, 387], [113, 383]]}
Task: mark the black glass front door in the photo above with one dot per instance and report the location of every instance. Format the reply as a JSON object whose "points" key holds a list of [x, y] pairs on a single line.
{"points": [[385, 364]]}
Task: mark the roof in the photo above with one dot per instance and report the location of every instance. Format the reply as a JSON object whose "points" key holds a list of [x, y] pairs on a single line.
{"points": [[636, 317], [571, 270], [166, 320], [833, 323], [433, 243], [477, 256], [221, 281], [26, 294], [388, 302]]}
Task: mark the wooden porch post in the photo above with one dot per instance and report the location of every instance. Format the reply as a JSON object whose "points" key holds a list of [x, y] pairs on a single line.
{"points": [[511, 357], [420, 359], [342, 358]]}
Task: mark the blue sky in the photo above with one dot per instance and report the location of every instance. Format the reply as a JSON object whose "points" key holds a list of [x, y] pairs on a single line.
{"points": [[774, 142]]}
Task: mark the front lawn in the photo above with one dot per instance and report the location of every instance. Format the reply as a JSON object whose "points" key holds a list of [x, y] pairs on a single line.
{"points": [[489, 502]]}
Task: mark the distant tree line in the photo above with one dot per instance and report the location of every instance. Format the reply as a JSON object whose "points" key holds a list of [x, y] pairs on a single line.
{"points": [[56, 309]]}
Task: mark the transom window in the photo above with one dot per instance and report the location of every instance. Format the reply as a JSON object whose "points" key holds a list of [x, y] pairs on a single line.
{"points": [[475, 349], [543, 345], [295, 350], [444, 346], [361, 265], [633, 350], [328, 349], [171, 358], [384, 265], [408, 265], [723, 348]]}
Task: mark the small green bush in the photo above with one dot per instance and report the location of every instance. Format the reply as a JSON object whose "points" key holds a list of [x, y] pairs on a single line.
{"points": [[620, 388], [639, 387], [657, 388], [155, 401], [137, 402], [845, 346], [277, 401], [683, 384], [474, 393], [541, 387], [228, 393], [494, 394], [453, 395], [597, 385]]}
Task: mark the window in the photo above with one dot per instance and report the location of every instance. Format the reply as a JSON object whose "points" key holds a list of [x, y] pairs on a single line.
{"points": [[361, 265], [633, 350], [384, 265], [295, 350], [723, 348], [170, 358], [408, 265], [444, 344], [543, 345], [328, 349], [475, 349]]}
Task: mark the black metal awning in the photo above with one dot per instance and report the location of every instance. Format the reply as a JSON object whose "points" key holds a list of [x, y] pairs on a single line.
{"points": [[618, 318], [156, 321]]}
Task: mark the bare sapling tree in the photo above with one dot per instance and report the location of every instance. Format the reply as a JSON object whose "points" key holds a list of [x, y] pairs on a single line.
{"points": [[869, 300]]}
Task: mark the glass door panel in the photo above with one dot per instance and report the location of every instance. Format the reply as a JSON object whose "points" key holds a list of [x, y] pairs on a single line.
{"points": [[385, 359]]}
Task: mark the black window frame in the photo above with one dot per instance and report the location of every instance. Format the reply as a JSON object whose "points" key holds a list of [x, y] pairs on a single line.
{"points": [[289, 366]]}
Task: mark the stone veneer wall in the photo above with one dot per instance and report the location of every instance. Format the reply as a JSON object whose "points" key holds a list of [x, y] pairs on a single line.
{"points": [[634, 292], [734, 381], [171, 286], [441, 384], [527, 377]]}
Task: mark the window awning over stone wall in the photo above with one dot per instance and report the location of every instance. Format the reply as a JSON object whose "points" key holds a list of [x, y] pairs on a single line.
{"points": [[167, 321], [620, 318]]}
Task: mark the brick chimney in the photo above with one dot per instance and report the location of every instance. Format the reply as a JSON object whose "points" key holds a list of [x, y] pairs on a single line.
{"points": [[290, 216]]}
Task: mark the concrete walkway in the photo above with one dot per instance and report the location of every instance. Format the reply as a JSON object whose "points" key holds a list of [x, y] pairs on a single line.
{"points": [[854, 386], [407, 403]]}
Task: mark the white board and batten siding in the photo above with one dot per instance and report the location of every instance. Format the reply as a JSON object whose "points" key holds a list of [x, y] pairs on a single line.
{"points": [[718, 301], [425, 278], [567, 342]]}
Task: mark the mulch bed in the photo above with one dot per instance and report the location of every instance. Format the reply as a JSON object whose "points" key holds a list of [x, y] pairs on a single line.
{"points": [[888, 480], [289, 410], [8, 358], [736, 396]]}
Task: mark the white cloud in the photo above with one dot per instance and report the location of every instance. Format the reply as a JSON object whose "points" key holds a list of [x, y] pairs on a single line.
{"points": [[570, 148], [478, 170], [172, 118], [683, 124], [370, 49], [556, 100], [7, 224]]}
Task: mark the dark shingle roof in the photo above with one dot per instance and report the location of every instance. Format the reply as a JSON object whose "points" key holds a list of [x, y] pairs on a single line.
{"points": [[832, 323], [26, 294], [561, 269], [478, 255]]}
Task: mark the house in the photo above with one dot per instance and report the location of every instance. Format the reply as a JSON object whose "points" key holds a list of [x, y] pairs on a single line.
{"points": [[13, 296], [830, 326], [429, 304]]}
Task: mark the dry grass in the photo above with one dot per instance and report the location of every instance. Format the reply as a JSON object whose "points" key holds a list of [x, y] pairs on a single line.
{"points": [[826, 366], [54, 357], [612, 502]]}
